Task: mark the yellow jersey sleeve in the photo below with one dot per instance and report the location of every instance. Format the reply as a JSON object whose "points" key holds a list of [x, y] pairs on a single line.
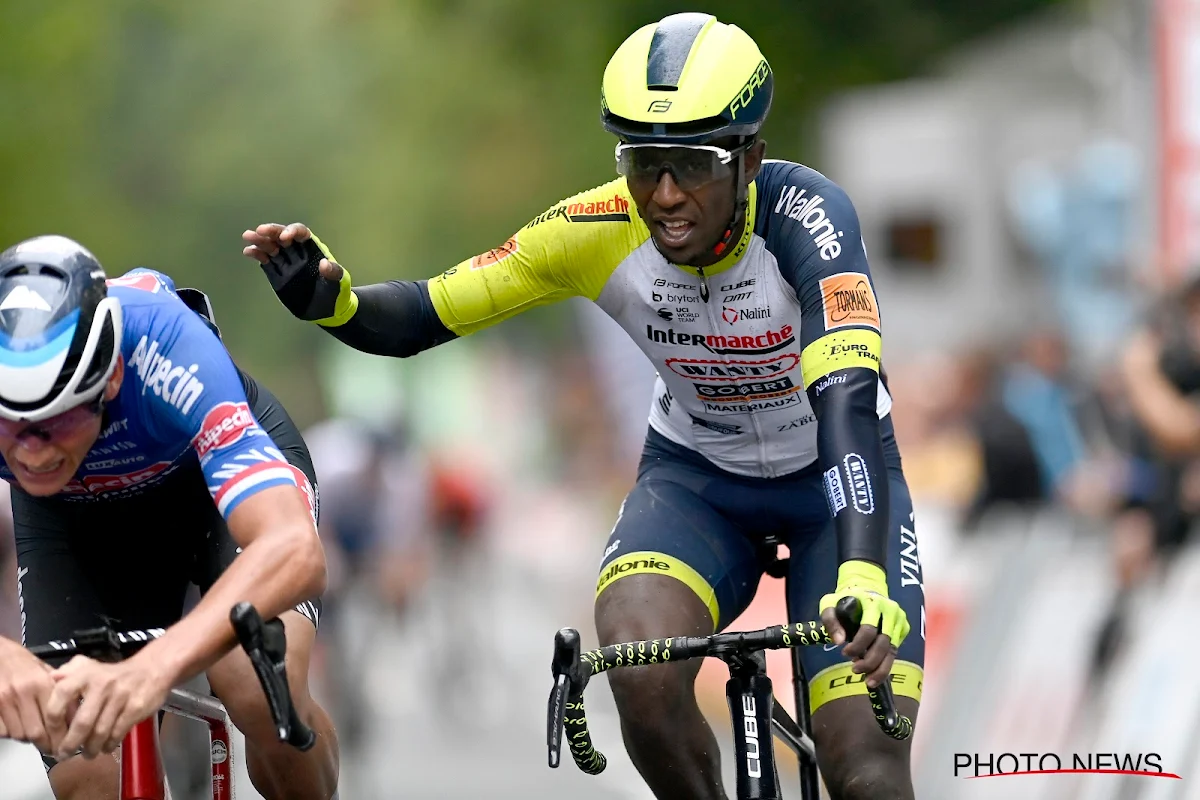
{"points": [[570, 250]]}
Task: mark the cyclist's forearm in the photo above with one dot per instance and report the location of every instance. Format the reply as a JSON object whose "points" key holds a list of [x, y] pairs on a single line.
{"points": [[396, 318], [276, 570], [850, 452]]}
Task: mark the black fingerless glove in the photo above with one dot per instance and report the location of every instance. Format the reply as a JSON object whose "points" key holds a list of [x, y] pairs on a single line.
{"points": [[294, 275]]}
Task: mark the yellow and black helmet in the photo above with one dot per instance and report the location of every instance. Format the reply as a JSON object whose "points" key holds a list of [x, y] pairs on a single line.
{"points": [[688, 79]]}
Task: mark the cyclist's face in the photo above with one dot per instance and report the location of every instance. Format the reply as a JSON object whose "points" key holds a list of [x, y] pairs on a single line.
{"points": [[45, 455], [686, 225]]}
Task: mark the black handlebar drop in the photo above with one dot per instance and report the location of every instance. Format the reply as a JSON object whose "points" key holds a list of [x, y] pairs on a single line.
{"points": [[883, 700], [572, 669], [265, 644]]}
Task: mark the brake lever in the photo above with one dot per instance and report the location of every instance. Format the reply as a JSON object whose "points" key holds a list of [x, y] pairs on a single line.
{"points": [[569, 679]]}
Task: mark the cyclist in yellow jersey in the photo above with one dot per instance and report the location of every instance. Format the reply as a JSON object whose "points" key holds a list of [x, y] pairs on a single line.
{"points": [[746, 283]]}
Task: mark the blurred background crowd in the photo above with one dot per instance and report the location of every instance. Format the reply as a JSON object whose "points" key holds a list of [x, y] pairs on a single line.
{"points": [[1021, 169]]}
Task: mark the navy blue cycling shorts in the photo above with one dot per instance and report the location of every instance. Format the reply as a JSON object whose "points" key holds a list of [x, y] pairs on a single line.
{"points": [[689, 519]]}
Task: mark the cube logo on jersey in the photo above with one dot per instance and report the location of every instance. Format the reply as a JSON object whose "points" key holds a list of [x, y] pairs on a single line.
{"points": [[847, 299], [146, 281], [177, 385], [224, 425]]}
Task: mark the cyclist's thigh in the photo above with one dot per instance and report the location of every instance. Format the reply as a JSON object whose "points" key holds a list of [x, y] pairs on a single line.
{"points": [[84, 565], [814, 573], [669, 545], [233, 680]]}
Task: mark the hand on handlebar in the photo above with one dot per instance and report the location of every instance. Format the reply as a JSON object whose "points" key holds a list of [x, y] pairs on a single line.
{"points": [[115, 697], [884, 623], [25, 688]]}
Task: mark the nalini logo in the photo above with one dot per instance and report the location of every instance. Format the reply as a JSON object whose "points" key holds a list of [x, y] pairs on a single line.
{"points": [[730, 315], [177, 385], [860, 484]]}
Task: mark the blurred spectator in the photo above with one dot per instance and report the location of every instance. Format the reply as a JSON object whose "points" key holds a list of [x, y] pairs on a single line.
{"points": [[377, 526], [1010, 471], [1159, 384]]}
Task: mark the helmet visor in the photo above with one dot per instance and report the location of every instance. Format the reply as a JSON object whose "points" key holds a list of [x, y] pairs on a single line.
{"points": [[691, 166]]}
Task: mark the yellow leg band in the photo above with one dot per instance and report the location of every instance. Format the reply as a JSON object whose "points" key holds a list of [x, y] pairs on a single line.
{"points": [[838, 681], [650, 563]]}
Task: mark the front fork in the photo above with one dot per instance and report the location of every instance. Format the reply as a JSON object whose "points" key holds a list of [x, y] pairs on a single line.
{"points": [[751, 704]]}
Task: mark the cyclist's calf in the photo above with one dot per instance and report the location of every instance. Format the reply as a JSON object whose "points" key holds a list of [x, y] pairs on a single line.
{"points": [[856, 761], [667, 737], [277, 769]]}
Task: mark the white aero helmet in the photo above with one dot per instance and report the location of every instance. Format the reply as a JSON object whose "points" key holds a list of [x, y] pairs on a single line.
{"points": [[60, 332]]}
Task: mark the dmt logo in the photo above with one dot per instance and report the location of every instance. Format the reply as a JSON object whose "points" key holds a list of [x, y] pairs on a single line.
{"points": [[224, 425]]}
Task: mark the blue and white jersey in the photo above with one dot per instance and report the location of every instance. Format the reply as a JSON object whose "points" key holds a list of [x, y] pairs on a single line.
{"points": [[181, 403]]}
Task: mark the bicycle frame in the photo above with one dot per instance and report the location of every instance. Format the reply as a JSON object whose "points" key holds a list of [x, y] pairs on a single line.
{"points": [[142, 774]]}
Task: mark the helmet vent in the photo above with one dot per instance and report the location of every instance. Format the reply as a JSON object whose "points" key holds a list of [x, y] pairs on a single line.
{"points": [[670, 47], [100, 358]]}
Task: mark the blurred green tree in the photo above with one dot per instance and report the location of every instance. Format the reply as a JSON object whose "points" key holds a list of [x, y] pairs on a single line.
{"points": [[410, 134]]}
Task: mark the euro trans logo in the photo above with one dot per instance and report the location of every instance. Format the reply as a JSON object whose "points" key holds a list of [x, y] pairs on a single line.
{"points": [[808, 212], [175, 384], [223, 426], [614, 209]]}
